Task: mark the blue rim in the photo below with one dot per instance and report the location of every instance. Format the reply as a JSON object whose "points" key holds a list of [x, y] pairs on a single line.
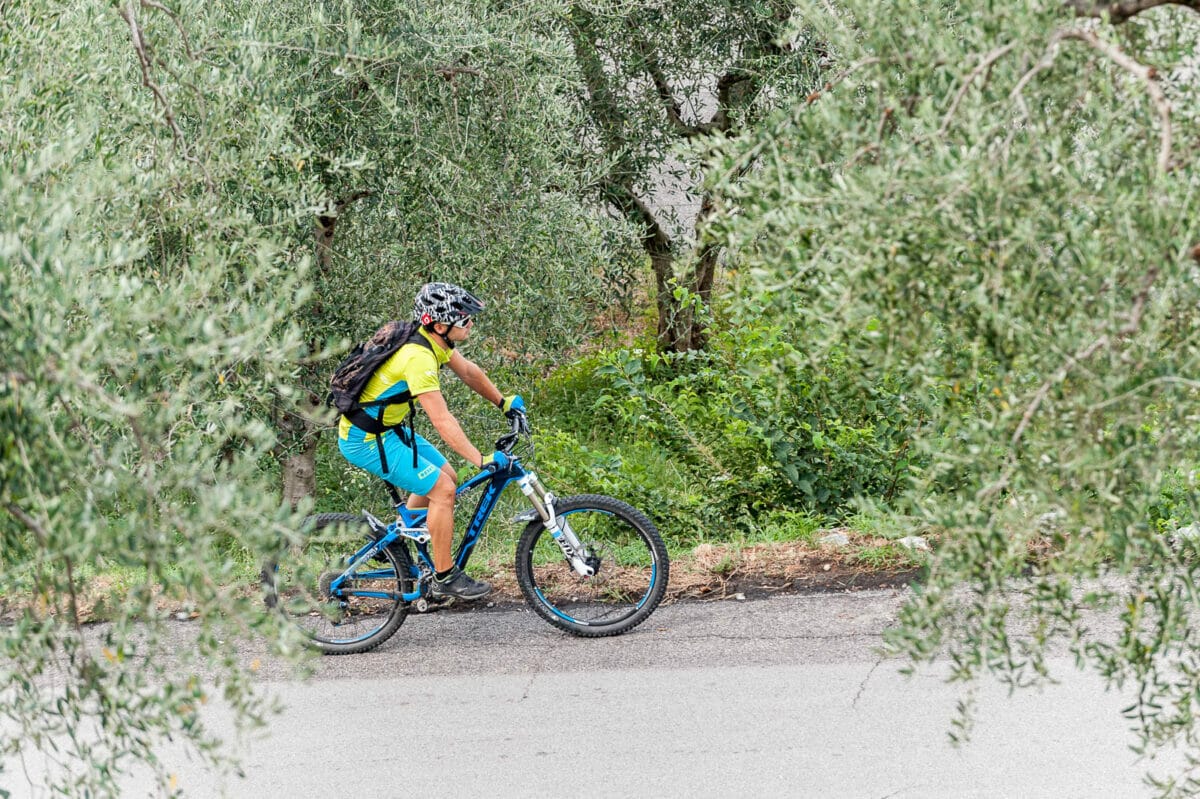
{"points": [[645, 597]]}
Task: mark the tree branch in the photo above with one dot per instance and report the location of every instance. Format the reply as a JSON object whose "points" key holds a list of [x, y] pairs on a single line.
{"points": [[984, 65], [1147, 75], [744, 162], [31, 524], [77, 426], [43, 539], [450, 73], [670, 104], [352, 198], [129, 14], [1129, 328], [602, 105], [1123, 11], [178, 26], [838, 78], [1043, 63], [654, 237], [725, 86]]}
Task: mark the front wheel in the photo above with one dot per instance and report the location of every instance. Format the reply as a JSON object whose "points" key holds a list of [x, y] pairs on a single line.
{"points": [[623, 549], [340, 609]]}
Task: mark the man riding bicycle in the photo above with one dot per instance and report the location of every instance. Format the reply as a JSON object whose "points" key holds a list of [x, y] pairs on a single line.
{"points": [[446, 314]]}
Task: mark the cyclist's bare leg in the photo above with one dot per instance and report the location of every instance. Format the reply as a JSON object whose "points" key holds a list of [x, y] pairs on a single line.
{"points": [[417, 502], [441, 520]]}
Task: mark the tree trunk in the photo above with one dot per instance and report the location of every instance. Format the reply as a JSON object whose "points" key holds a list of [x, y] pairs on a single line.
{"points": [[704, 274], [672, 328], [680, 329], [323, 239], [638, 113], [674, 320], [300, 473], [298, 451]]}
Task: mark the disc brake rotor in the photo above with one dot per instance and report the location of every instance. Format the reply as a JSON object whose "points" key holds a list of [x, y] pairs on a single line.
{"points": [[597, 555], [336, 608]]}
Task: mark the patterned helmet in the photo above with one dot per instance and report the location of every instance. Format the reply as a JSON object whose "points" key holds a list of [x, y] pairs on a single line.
{"points": [[444, 302]]}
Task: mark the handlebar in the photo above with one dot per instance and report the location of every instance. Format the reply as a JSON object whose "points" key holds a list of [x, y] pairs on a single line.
{"points": [[518, 426]]}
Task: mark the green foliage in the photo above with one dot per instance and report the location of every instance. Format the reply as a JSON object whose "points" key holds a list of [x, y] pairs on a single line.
{"points": [[641, 474], [125, 440], [745, 439], [755, 414], [165, 175], [982, 208], [1178, 501], [439, 147]]}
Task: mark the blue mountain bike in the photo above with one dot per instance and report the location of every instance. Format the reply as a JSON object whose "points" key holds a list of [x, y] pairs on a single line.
{"points": [[589, 564]]}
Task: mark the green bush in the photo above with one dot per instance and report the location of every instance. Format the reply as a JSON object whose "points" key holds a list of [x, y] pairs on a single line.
{"points": [[638, 472], [745, 439], [753, 414], [1178, 497]]}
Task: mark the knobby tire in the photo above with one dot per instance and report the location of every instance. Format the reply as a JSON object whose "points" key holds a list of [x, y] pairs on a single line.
{"points": [[631, 579], [321, 618]]}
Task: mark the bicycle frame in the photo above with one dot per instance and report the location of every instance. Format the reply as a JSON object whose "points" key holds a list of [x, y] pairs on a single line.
{"points": [[409, 525]]}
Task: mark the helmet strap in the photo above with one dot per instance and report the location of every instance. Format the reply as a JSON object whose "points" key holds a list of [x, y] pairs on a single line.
{"points": [[431, 327]]}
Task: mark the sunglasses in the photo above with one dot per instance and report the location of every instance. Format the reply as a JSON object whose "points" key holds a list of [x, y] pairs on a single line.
{"points": [[466, 321]]}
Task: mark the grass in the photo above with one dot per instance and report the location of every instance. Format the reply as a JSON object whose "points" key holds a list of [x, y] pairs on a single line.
{"points": [[884, 557]]}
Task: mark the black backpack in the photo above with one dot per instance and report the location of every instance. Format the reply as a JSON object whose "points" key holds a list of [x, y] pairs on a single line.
{"points": [[356, 369]]}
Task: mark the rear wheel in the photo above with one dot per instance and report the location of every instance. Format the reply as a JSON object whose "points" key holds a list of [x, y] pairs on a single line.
{"points": [[623, 549], [340, 609]]}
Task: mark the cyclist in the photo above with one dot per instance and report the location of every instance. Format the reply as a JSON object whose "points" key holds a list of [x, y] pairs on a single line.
{"points": [[446, 314]]}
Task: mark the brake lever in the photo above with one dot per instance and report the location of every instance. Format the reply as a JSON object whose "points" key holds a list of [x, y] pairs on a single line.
{"points": [[518, 423], [518, 426]]}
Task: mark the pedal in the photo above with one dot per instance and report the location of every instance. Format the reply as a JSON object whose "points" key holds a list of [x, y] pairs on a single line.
{"points": [[432, 604]]}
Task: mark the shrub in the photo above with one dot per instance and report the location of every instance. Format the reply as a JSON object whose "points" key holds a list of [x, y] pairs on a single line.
{"points": [[727, 442]]}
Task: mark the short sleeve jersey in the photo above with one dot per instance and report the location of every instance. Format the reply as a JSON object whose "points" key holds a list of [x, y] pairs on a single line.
{"points": [[413, 368]]}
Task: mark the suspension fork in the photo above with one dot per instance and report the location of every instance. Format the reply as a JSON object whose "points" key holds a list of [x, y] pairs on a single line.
{"points": [[543, 502]]}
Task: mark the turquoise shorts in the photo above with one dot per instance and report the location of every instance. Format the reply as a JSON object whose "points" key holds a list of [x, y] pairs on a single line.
{"points": [[401, 473]]}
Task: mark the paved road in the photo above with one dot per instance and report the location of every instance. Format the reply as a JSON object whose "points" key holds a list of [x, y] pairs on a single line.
{"points": [[777, 697]]}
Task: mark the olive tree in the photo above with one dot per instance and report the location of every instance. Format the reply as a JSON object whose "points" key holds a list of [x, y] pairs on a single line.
{"points": [[438, 146], [178, 180], [654, 81], [993, 206], [145, 316]]}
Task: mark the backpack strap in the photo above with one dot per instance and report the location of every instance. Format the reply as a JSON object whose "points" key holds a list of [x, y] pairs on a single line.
{"points": [[370, 424]]}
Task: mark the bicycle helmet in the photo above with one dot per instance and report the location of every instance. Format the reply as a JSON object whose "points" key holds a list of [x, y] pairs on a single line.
{"points": [[444, 302]]}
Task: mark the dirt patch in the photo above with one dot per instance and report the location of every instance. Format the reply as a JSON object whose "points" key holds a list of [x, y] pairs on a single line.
{"points": [[711, 571], [724, 571]]}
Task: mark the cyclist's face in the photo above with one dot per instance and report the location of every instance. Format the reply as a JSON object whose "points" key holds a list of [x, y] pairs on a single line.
{"points": [[461, 331]]}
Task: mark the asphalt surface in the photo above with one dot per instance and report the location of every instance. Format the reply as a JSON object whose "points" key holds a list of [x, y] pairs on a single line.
{"points": [[785, 696]]}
